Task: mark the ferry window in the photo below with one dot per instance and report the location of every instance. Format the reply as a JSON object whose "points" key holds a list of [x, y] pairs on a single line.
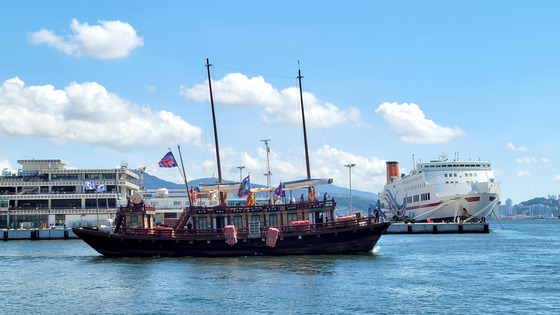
{"points": [[447, 182], [428, 196], [455, 174], [170, 215], [176, 203], [416, 198], [474, 174], [466, 174], [445, 175]]}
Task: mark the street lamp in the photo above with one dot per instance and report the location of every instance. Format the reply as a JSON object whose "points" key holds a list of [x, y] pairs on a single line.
{"points": [[240, 172], [350, 176]]}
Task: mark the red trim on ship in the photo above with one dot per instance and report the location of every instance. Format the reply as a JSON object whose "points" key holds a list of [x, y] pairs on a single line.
{"points": [[492, 198], [472, 199], [424, 206]]}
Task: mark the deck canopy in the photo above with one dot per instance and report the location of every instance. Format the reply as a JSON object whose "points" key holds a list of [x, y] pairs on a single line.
{"points": [[305, 183]]}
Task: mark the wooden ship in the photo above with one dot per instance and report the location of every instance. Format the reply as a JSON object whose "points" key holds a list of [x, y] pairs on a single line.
{"points": [[305, 227]]}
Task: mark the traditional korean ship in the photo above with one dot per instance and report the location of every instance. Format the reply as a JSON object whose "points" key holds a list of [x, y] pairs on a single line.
{"points": [[305, 227]]}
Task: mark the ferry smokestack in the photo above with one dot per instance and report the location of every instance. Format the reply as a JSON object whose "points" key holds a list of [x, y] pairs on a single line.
{"points": [[392, 171]]}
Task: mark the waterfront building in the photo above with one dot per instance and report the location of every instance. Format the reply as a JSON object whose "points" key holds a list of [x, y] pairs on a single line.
{"points": [[43, 193]]}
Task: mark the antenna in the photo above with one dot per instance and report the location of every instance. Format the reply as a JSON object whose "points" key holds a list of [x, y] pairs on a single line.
{"points": [[268, 174]]}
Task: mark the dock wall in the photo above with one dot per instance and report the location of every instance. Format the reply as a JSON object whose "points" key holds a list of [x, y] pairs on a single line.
{"points": [[37, 234], [437, 228]]}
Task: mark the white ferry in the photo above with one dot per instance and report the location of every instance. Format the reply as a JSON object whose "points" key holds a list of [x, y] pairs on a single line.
{"points": [[440, 190]]}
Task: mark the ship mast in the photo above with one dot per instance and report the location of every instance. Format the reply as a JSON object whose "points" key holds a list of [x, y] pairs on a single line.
{"points": [[214, 121], [304, 130]]}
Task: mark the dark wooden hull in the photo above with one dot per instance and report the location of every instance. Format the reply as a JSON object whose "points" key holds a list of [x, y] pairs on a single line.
{"points": [[346, 240]]}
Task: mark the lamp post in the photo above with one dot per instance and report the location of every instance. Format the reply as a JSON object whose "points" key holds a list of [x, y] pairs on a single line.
{"points": [[240, 172], [350, 177]]}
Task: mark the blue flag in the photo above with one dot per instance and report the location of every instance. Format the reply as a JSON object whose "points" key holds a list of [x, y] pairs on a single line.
{"points": [[279, 191], [168, 160], [244, 187]]}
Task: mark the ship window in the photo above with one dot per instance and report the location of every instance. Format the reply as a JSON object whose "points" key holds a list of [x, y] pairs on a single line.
{"points": [[272, 220], [466, 174], [474, 174], [202, 223], [176, 203], [455, 174], [445, 175], [416, 198], [447, 182], [238, 221]]}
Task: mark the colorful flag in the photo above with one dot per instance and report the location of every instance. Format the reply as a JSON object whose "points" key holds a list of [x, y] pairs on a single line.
{"points": [[279, 191], [244, 187], [101, 188], [212, 195], [89, 185], [250, 201], [168, 160], [311, 196], [194, 194]]}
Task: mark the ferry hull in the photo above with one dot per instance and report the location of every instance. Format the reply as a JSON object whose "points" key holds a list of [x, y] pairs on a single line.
{"points": [[477, 206], [351, 240]]}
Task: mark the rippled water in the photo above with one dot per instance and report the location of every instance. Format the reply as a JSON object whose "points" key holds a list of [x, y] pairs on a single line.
{"points": [[515, 270]]}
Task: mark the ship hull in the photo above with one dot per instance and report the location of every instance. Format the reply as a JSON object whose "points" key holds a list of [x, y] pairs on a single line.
{"points": [[349, 240], [449, 209]]}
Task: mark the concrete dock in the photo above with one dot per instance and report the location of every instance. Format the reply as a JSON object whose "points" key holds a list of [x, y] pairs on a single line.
{"points": [[37, 234], [437, 228]]}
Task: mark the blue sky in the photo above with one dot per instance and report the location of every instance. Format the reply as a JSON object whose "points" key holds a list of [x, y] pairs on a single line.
{"points": [[97, 83]]}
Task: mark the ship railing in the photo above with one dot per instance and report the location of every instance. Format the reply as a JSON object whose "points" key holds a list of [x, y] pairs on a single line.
{"points": [[244, 232], [265, 208]]}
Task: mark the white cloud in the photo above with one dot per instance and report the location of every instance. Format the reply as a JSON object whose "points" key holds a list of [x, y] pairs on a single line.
{"points": [[409, 122], [545, 160], [5, 164], [527, 159], [556, 178], [523, 173], [150, 88], [108, 40], [279, 107], [87, 112], [514, 148]]}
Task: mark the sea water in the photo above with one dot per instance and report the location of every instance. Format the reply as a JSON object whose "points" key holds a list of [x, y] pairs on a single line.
{"points": [[511, 270]]}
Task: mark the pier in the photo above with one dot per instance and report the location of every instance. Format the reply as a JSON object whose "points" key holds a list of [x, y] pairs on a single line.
{"points": [[37, 234], [437, 228]]}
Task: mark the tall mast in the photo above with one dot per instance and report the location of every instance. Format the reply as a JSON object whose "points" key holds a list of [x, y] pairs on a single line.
{"points": [[214, 121], [304, 130]]}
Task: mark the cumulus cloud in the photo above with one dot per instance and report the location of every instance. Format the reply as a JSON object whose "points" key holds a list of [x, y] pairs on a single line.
{"points": [[527, 159], [514, 148], [523, 173], [87, 112], [556, 178], [278, 107], [108, 40], [409, 122]]}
